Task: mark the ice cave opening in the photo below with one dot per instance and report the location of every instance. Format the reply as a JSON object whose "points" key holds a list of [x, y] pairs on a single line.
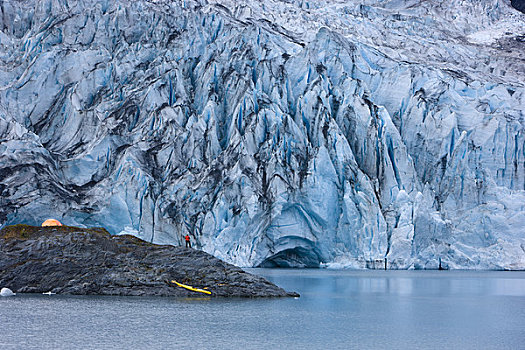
{"points": [[298, 257]]}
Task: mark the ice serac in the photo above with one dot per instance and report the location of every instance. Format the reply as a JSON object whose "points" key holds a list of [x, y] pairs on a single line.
{"points": [[274, 133]]}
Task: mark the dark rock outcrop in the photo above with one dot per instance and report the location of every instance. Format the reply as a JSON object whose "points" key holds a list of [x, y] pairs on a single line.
{"points": [[518, 5], [71, 260]]}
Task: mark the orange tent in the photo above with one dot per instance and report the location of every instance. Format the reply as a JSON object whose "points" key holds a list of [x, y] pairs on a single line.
{"points": [[51, 222]]}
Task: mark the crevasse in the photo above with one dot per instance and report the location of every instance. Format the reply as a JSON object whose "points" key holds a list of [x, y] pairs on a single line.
{"points": [[337, 133]]}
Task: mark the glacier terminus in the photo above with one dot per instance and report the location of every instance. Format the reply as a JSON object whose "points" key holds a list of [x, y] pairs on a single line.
{"points": [[285, 133]]}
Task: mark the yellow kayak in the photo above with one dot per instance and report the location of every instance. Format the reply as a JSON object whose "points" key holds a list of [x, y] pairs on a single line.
{"points": [[191, 288]]}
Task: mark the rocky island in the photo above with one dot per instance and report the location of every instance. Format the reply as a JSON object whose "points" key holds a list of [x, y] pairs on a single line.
{"points": [[72, 260]]}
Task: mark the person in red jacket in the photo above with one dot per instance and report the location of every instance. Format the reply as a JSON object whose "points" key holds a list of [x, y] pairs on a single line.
{"points": [[188, 243]]}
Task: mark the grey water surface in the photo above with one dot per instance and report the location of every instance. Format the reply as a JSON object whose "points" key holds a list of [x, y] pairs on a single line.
{"points": [[336, 310]]}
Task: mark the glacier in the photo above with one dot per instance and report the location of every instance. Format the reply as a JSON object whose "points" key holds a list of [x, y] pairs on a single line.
{"points": [[343, 134]]}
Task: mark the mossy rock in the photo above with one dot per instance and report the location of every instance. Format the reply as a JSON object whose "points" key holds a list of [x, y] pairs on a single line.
{"points": [[22, 232]]}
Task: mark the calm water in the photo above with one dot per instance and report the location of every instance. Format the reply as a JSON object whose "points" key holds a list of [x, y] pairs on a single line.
{"points": [[337, 310]]}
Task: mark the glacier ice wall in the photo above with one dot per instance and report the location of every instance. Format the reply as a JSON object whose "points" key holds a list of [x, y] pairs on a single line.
{"points": [[275, 133]]}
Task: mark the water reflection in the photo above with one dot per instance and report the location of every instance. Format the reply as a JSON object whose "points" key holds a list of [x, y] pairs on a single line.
{"points": [[336, 310], [337, 283]]}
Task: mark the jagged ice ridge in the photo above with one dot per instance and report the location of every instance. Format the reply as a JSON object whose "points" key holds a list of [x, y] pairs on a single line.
{"points": [[275, 133]]}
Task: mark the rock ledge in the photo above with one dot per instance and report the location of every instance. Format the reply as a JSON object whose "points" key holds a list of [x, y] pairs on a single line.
{"points": [[72, 260]]}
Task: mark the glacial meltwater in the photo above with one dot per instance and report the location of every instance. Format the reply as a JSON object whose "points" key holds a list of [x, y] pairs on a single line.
{"points": [[336, 310]]}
